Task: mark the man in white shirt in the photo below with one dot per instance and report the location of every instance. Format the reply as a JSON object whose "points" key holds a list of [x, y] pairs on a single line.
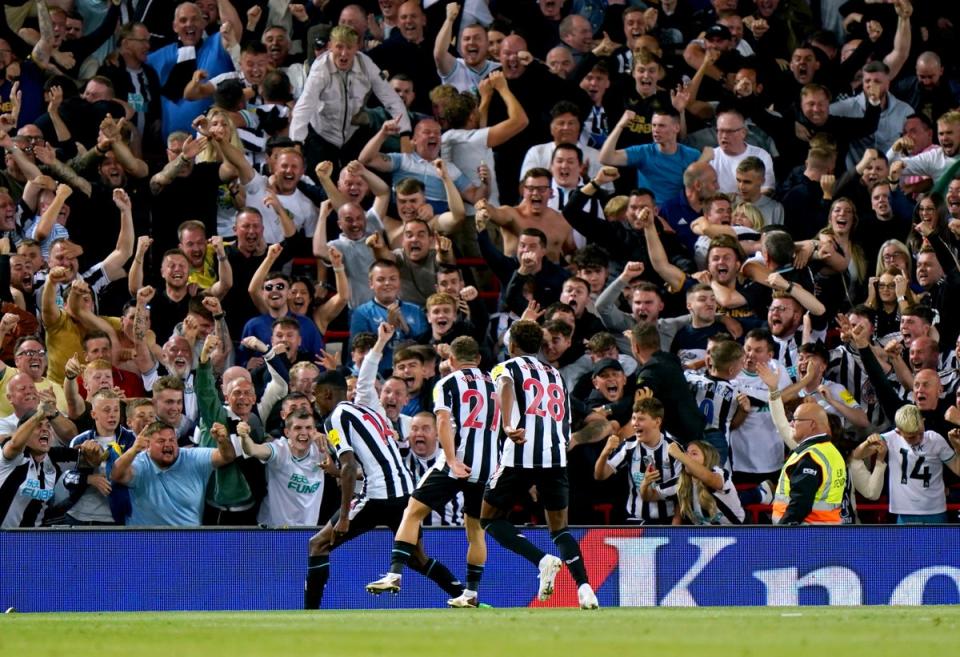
{"points": [[933, 162], [733, 149], [464, 72], [565, 126]]}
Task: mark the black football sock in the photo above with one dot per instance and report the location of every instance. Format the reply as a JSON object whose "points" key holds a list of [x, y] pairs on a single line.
{"points": [[318, 572], [570, 553], [400, 556], [507, 535], [441, 576], [474, 575]]}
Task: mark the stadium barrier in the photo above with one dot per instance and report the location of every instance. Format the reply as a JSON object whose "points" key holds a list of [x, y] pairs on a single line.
{"points": [[84, 569]]}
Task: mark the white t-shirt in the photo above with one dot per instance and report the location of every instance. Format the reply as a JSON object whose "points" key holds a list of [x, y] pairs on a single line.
{"points": [[464, 78], [301, 210], [467, 149], [294, 487], [726, 168], [756, 444], [915, 473]]}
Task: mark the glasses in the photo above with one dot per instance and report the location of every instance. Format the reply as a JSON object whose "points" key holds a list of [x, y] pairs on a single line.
{"points": [[279, 287], [800, 419], [728, 131], [32, 353]]}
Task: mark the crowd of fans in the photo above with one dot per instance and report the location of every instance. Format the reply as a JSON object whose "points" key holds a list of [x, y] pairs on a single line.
{"points": [[207, 210]]}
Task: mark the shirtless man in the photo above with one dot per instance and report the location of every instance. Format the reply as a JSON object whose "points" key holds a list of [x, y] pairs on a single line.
{"points": [[531, 213]]}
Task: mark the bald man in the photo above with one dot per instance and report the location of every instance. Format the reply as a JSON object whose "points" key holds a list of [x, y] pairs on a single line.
{"points": [[927, 91], [813, 480]]}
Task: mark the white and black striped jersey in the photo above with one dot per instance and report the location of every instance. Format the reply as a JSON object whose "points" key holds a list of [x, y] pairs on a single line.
{"points": [[27, 488], [419, 468], [469, 395], [915, 473], [635, 457], [729, 510], [541, 409], [716, 399], [360, 429], [846, 368]]}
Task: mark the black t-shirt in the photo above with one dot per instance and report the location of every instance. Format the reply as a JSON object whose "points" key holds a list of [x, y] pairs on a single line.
{"points": [[165, 314], [238, 305], [189, 197]]}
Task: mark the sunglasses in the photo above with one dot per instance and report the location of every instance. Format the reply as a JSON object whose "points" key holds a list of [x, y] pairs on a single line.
{"points": [[279, 287]]}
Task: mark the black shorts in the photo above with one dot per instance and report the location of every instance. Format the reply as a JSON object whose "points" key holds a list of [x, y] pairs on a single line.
{"points": [[365, 514], [508, 484], [438, 488]]}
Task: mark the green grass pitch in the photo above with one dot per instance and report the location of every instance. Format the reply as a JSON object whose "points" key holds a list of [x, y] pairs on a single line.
{"points": [[766, 632]]}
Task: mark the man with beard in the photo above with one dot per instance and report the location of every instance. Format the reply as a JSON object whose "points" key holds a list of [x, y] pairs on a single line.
{"points": [[646, 304], [170, 306], [532, 213], [928, 91], [690, 343], [356, 256], [420, 164], [415, 260], [284, 209], [201, 255], [474, 64], [166, 483]]}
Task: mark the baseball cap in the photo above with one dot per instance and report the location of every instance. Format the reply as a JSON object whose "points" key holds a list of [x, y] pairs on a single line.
{"points": [[717, 32], [606, 364]]}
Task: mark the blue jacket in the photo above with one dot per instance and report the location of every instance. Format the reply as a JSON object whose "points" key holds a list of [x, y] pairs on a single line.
{"points": [[367, 317], [119, 495]]}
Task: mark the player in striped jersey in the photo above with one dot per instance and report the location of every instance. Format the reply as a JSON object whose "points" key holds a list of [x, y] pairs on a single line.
{"points": [[916, 458], [718, 397], [654, 474], [706, 494], [467, 422], [360, 434], [535, 417]]}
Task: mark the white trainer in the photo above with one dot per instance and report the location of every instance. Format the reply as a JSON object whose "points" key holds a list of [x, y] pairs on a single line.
{"points": [[587, 598], [466, 600], [549, 567], [389, 583]]}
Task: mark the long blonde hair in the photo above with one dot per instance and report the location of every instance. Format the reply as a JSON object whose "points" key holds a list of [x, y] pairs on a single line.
{"points": [[210, 152], [708, 505]]}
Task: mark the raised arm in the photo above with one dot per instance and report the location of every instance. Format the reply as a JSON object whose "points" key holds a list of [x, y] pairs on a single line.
{"points": [[516, 120], [320, 246], [18, 442], [250, 448], [260, 275], [224, 270], [113, 264], [121, 150], [602, 470], [804, 297], [371, 155], [696, 469], [672, 275], [188, 151], [225, 454], [441, 47], [49, 216], [902, 38], [447, 222], [326, 313], [49, 312], [199, 86], [135, 277], [122, 471], [609, 153], [235, 158]]}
